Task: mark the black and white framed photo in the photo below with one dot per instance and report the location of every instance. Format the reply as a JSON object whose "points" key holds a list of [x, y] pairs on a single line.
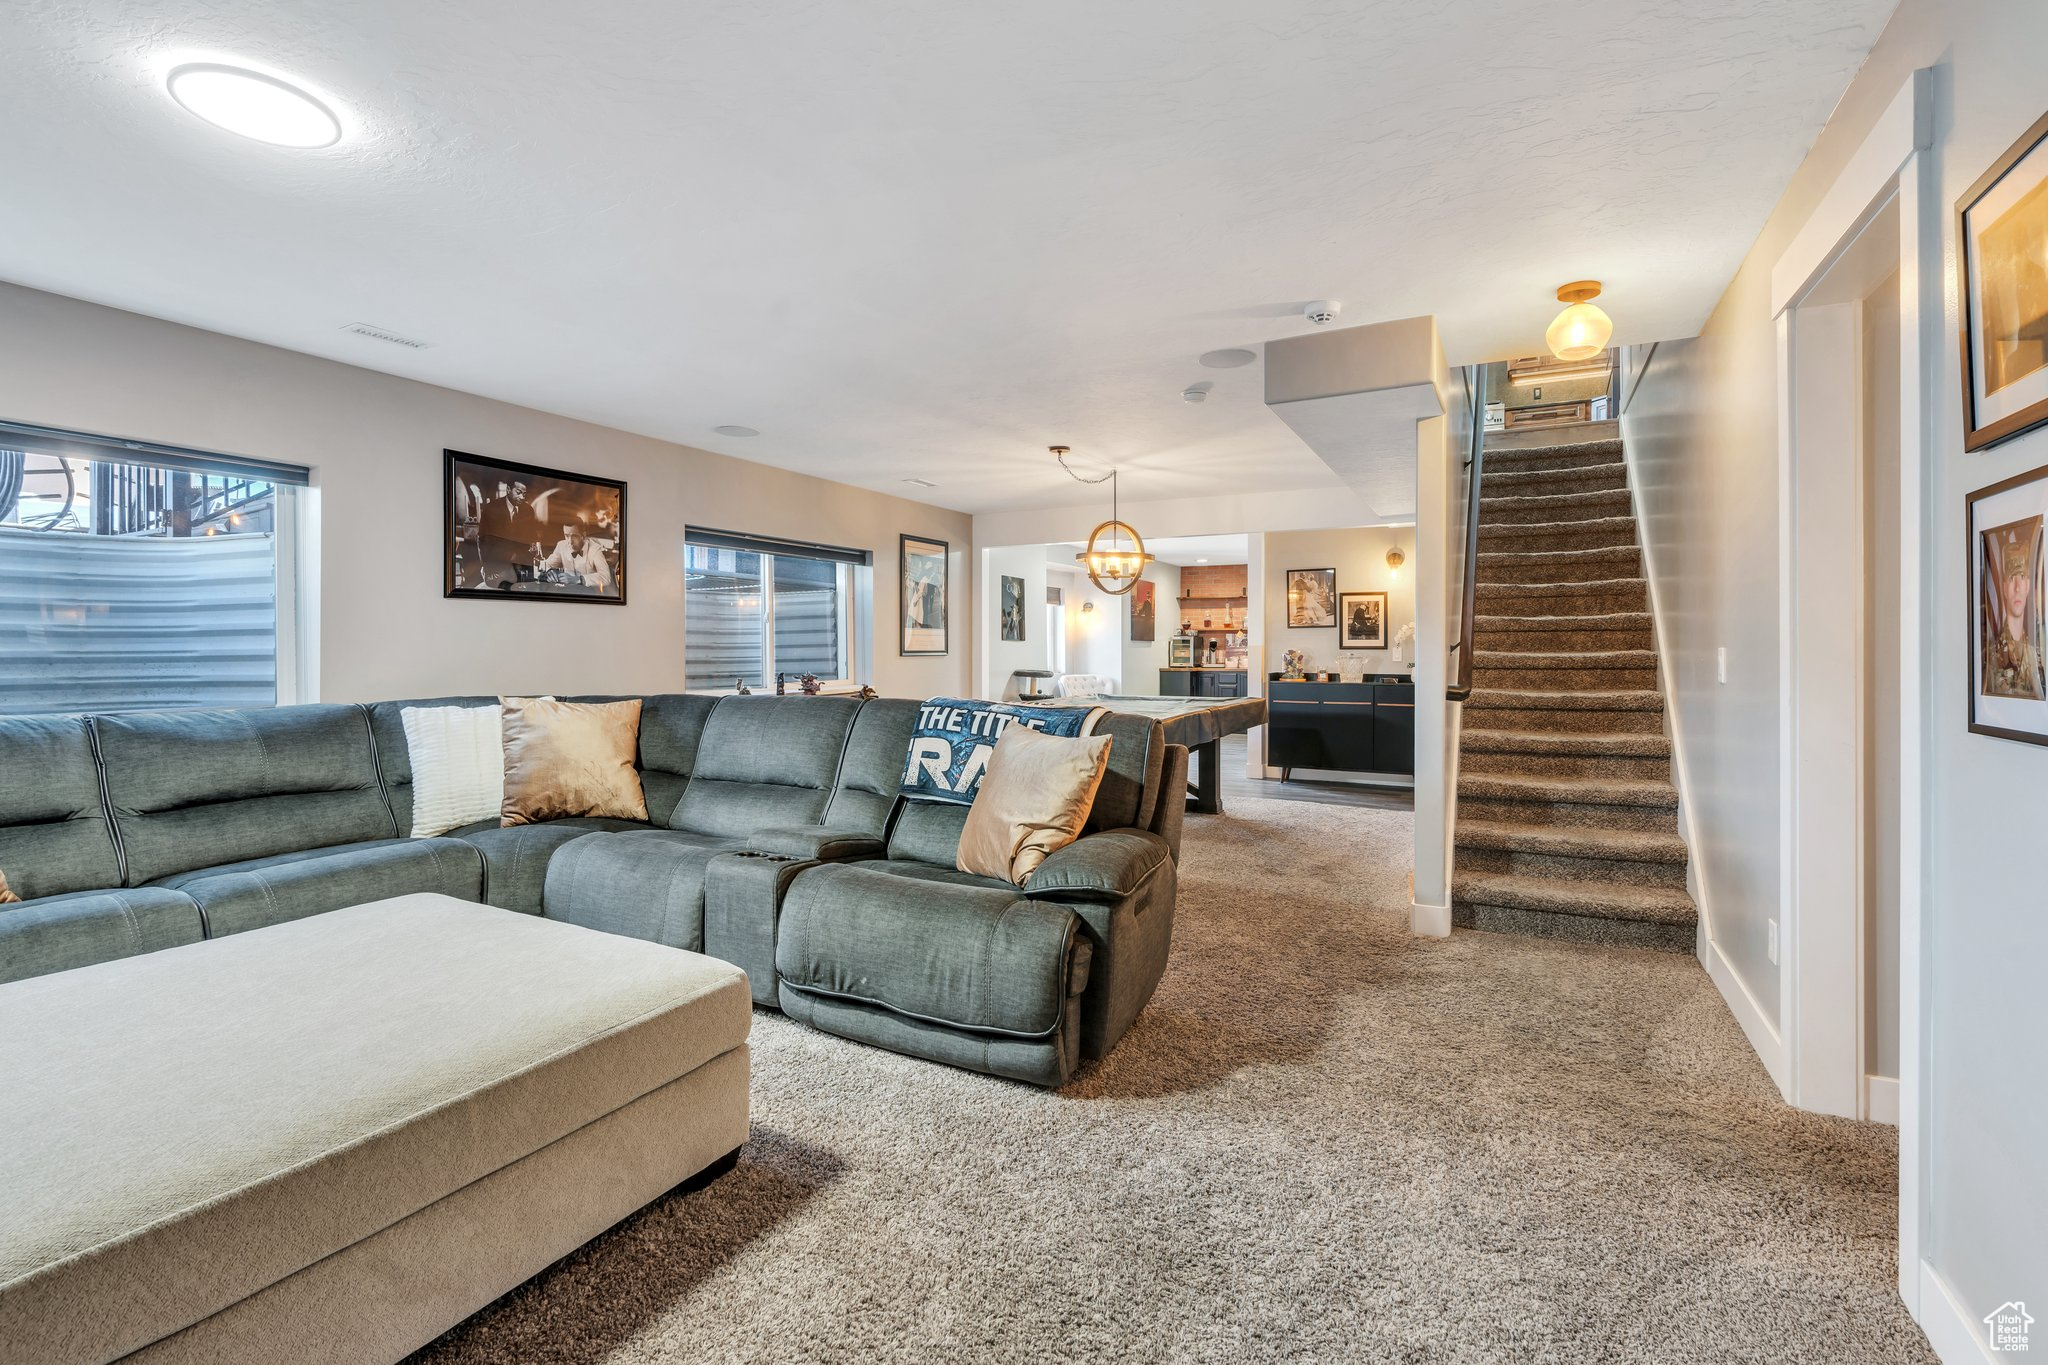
{"points": [[522, 531], [1311, 598], [1362, 617], [924, 589], [2008, 680], [2002, 256], [1013, 609]]}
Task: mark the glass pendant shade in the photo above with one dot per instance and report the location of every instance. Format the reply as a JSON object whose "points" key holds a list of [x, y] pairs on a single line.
{"points": [[1582, 330]]}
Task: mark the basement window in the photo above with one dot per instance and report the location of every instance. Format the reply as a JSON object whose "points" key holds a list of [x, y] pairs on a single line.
{"points": [[755, 607]]}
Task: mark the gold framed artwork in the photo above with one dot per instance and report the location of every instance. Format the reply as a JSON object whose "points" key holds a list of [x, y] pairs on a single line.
{"points": [[2002, 256], [2008, 640]]}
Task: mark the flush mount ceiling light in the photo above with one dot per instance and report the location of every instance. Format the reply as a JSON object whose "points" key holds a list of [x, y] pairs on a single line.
{"points": [[736, 431], [1226, 360], [1112, 565], [1581, 331], [253, 105]]}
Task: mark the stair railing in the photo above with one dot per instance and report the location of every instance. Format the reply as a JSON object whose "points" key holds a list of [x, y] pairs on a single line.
{"points": [[1460, 689]]}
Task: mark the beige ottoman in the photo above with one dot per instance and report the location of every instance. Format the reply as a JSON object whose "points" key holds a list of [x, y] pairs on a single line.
{"points": [[332, 1139]]}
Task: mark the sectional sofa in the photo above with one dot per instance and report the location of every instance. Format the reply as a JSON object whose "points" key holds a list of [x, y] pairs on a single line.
{"points": [[776, 840]]}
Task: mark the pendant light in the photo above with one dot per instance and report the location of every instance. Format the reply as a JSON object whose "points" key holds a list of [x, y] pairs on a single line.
{"points": [[1581, 331], [1112, 565]]}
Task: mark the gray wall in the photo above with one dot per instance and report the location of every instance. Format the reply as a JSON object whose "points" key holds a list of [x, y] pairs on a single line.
{"points": [[373, 552]]}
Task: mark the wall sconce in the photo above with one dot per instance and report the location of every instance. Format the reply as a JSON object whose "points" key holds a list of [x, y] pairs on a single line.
{"points": [[1395, 559], [1087, 607]]}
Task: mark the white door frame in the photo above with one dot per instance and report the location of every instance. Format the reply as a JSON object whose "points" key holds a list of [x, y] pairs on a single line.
{"points": [[1821, 971]]}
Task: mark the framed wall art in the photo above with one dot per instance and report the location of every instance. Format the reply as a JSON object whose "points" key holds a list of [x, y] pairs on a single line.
{"points": [[2008, 679], [2002, 257], [1144, 611], [1362, 618], [1311, 598], [524, 532], [1013, 609], [924, 595]]}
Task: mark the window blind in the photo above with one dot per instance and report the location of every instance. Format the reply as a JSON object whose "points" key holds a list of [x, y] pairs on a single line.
{"points": [[80, 445], [770, 545]]}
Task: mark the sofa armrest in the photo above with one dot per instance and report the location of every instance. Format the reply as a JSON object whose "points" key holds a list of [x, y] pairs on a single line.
{"points": [[816, 843], [1108, 865]]}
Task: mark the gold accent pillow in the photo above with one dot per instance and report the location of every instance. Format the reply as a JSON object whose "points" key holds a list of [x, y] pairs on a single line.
{"points": [[570, 758], [1034, 801], [7, 897]]}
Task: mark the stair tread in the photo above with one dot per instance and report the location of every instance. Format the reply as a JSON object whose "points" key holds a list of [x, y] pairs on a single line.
{"points": [[1536, 699], [1604, 900], [1508, 529], [1568, 744], [1594, 554], [1610, 444], [1575, 659], [1578, 791], [1606, 620], [1522, 478], [1620, 845], [1587, 587], [1523, 501]]}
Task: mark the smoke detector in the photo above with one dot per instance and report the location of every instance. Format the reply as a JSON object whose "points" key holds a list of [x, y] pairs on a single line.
{"points": [[1196, 393], [1322, 312]]}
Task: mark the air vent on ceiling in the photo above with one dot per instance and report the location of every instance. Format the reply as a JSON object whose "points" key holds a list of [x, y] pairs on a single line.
{"points": [[364, 329], [922, 483]]}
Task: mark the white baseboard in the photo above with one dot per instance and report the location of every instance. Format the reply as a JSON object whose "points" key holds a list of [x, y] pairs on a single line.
{"points": [[1755, 1024], [1957, 1336], [1429, 921], [1881, 1099]]}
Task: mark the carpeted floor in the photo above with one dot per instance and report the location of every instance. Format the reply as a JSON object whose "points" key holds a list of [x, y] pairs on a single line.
{"points": [[1324, 1141]]}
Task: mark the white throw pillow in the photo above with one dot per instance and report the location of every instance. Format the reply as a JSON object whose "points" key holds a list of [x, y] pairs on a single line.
{"points": [[458, 766]]}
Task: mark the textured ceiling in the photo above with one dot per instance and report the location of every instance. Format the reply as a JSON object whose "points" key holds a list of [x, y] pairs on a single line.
{"points": [[919, 238]]}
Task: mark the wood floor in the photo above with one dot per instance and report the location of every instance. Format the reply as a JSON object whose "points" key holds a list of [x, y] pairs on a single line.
{"points": [[1236, 786]]}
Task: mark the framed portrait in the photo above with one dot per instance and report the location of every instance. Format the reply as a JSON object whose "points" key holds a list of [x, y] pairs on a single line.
{"points": [[2008, 683], [924, 586], [1362, 618], [523, 532], [1144, 611], [1311, 598], [1013, 609], [2002, 256]]}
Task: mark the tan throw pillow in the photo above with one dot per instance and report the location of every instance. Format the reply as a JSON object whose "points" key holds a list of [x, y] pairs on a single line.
{"points": [[1034, 800], [7, 897], [570, 758]]}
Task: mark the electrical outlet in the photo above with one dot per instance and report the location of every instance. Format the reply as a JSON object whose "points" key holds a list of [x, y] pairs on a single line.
{"points": [[1721, 664], [1771, 940]]}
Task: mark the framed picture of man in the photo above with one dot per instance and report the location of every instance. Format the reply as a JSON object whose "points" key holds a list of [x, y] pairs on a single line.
{"points": [[2008, 678], [2002, 256], [521, 531], [924, 593], [1311, 598], [1362, 620]]}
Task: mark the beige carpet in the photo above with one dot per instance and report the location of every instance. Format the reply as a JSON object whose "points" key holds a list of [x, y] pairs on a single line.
{"points": [[1324, 1141]]}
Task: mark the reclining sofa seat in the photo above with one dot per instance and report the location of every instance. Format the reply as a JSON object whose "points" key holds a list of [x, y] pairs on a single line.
{"points": [[896, 947], [516, 857], [60, 857]]}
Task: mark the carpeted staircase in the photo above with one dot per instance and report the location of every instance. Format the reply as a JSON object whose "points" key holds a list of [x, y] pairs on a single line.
{"points": [[1567, 817]]}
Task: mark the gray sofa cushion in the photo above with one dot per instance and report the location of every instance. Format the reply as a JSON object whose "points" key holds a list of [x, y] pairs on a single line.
{"points": [[516, 857], [1049, 1061], [53, 831], [194, 789], [645, 884], [289, 886], [670, 727], [765, 761], [871, 774], [1108, 865], [57, 933], [966, 957]]}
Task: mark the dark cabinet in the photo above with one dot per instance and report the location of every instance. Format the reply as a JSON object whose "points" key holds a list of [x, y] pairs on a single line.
{"points": [[1341, 727], [1174, 682], [1202, 683]]}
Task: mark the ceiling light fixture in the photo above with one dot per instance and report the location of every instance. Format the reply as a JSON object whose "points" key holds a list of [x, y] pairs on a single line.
{"points": [[1581, 331], [1226, 360], [1107, 557], [253, 105]]}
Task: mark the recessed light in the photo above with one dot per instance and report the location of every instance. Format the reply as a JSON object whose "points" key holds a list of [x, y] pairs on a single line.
{"points": [[1228, 360], [253, 105], [736, 431]]}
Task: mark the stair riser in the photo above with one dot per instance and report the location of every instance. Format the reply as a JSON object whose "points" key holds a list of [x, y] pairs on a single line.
{"points": [[1569, 815], [1667, 938], [1561, 641], [1563, 867], [1565, 765], [1549, 722], [1509, 599], [1574, 507], [1533, 461], [1566, 679], [1543, 484], [1503, 570], [1593, 536]]}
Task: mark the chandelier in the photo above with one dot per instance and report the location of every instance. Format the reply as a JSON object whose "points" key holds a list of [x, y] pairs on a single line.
{"points": [[1112, 564]]}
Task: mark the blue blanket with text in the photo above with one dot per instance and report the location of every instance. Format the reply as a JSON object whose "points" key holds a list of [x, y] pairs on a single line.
{"points": [[950, 747]]}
